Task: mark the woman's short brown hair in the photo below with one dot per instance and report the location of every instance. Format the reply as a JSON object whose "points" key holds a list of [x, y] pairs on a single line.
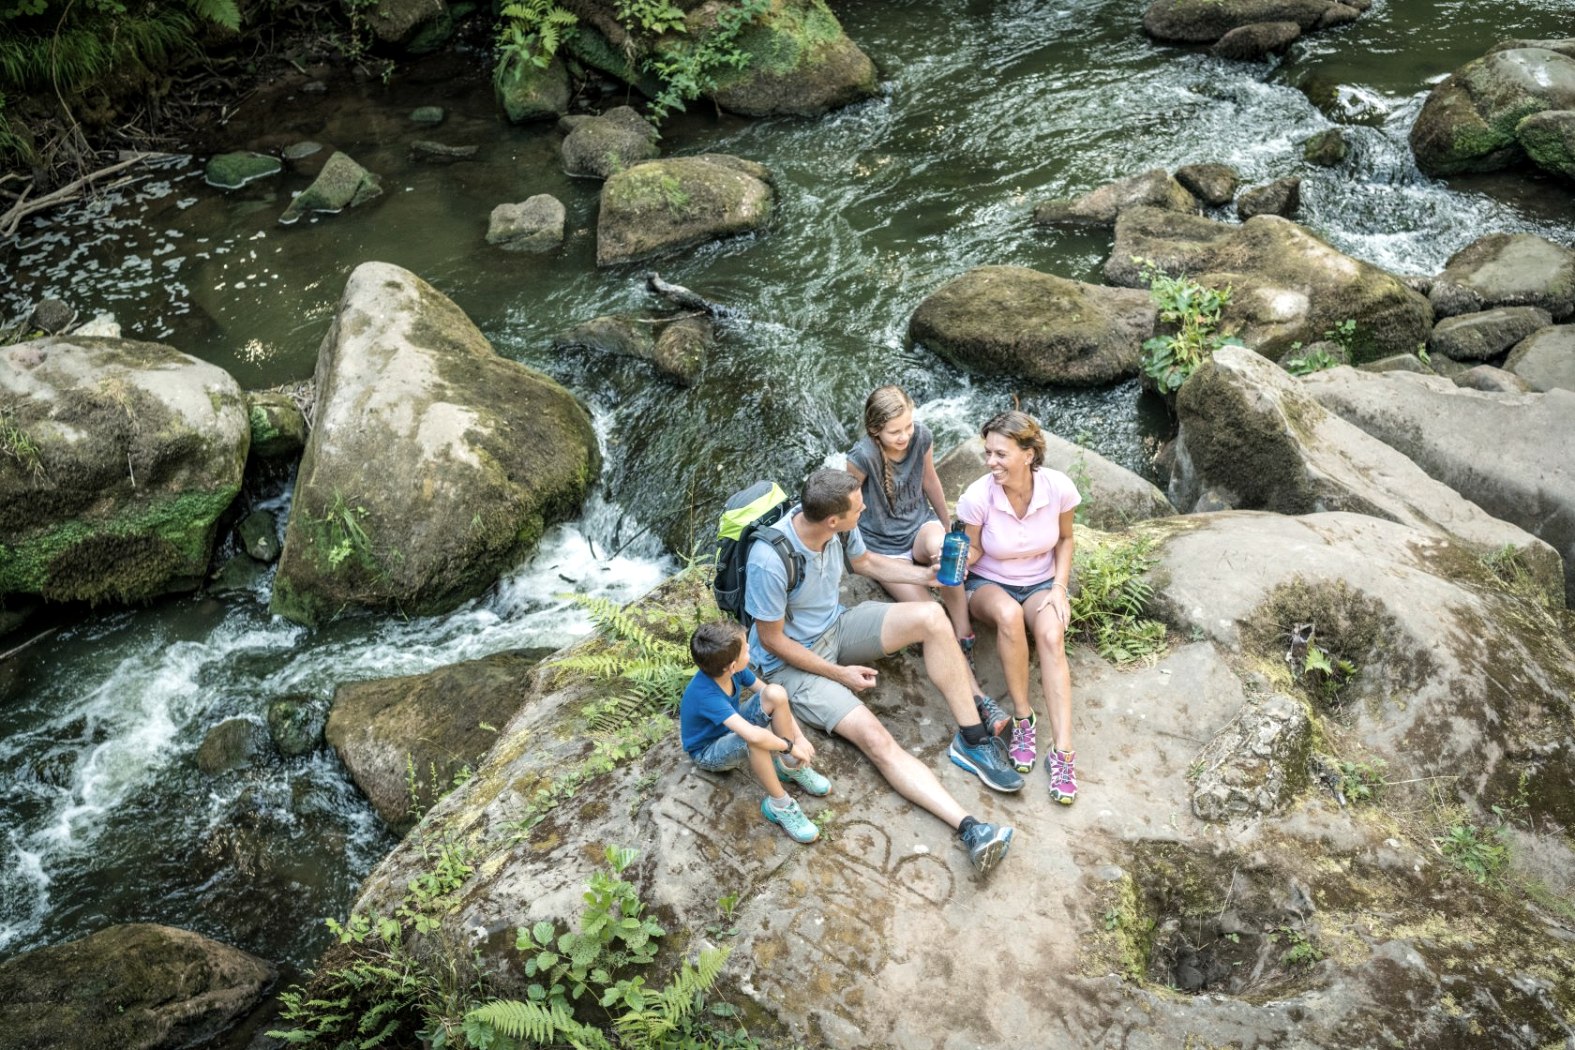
{"points": [[1021, 428]]}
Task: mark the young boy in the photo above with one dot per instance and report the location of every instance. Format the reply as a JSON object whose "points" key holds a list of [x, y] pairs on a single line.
{"points": [[720, 733]]}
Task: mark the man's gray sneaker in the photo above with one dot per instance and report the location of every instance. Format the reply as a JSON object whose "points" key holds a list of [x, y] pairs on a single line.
{"points": [[989, 760], [987, 845]]}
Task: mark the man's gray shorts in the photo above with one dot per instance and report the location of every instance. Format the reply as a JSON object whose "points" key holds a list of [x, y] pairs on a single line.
{"points": [[853, 639]]}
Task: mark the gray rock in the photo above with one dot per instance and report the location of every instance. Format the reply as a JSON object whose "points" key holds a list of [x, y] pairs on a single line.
{"points": [[1113, 496], [230, 171], [296, 725], [138, 449], [1250, 43], [437, 153], [1444, 430], [134, 986], [665, 205], [1398, 363], [1281, 197], [1197, 22], [52, 316], [814, 66], [435, 723], [102, 326], [602, 145], [416, 494], [1545, 359], [432, 115], [1549, 139], [1326, 149], [278, 424], [341, 184], [234, 743], [1469, 121], [398, 22], [533, 225], [259, 534], [302, 150], [1009, 320], [1249, 432], [1213, 184], [1100, 207], [1256, 764], [1288, 286], [677, 347], [1507, 269], [1496, 380], [1485, 335]]}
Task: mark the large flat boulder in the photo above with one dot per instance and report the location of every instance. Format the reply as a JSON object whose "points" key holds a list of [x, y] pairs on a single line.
{"points": [[1113, 496], [1507, 269], [405, 741], [116, 459], [1471, 119], [1010, 320], [678, 202], [1288, 285], [132, 987], [433, 466], [1507, 453], [880, 920], [1250, 437]]}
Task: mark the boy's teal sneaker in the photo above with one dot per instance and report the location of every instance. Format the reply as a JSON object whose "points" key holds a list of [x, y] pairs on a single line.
{"points": [[989, 760], [805, 777], [987, 845], [792, 820]]}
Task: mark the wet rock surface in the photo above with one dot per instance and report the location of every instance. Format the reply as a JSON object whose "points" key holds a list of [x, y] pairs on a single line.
{"points": [[664, 205], [601, 145], [533, 225], [1154, 189]]}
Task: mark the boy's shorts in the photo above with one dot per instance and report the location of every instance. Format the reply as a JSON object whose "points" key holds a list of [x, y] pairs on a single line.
{"points": [[853, 639], [729, 751]]}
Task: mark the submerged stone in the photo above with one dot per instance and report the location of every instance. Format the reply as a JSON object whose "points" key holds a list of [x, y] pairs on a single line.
{"points": [[230, 171], [341, 184]]}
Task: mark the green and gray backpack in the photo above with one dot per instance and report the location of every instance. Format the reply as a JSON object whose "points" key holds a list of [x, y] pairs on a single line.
{"points": [[747, 517]]}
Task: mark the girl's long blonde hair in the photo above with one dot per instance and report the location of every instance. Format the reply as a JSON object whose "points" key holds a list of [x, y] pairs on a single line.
{"points": [[885, 404]]}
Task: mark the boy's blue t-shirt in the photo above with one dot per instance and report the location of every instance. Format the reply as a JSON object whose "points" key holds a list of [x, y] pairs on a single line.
{"points": [[705, 707]]}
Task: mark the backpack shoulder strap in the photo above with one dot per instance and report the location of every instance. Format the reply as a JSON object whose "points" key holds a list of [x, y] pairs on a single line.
{"points": [[792, 560]]}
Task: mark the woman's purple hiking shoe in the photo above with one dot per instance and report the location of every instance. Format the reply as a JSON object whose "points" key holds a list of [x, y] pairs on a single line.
{"points": [[1063, 775]]}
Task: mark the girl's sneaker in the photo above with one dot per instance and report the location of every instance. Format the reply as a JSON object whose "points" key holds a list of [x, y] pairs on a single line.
{"points": [[805, 777], [1024, 748], [790, 819], [1063, 776]]}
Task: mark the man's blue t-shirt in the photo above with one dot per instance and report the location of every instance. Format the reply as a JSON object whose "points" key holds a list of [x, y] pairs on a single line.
{"points": [[705, 707], [815, 603]]}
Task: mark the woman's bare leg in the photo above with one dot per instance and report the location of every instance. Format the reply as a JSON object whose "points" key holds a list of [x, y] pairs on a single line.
{"points": [[993, 606]]}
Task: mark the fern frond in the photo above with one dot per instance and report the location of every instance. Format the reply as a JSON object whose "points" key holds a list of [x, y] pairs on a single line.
{"points": [[220, 12], [530, 1021]]}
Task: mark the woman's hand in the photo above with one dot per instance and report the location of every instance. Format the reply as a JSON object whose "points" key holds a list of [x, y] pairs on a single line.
{"points": [[1061, 603]]}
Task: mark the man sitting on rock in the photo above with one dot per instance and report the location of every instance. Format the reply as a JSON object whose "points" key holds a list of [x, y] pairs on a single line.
{"points": [[815, 649]]}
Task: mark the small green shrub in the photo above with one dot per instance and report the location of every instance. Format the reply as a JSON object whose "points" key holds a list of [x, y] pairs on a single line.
{"points": [[652, 670], [1480, 854], [530, 33], [1108, 607], [1194, 312], [1307, 364]]}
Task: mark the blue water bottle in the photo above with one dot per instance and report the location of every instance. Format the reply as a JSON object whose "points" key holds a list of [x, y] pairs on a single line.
{"points": [[954, 556]]}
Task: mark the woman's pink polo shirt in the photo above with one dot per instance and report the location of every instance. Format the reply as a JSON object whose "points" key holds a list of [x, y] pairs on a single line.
{"points": [[1018, 550]]}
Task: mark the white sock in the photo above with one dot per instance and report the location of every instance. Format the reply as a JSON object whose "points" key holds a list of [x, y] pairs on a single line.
{"points": [[789, 762], [780, 804]]}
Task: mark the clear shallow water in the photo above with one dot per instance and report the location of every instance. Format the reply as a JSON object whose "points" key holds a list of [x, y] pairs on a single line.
{"points": [[986, 108]]}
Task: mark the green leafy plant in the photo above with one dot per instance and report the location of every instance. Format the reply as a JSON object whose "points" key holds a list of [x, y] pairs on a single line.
{"points": [[1194, 313], [652, 670], [1363, 781], [1108, 607], [689, 70], [1324, 673], [1300, 949], [1481, 854], [1307, 364], [531, 31]]}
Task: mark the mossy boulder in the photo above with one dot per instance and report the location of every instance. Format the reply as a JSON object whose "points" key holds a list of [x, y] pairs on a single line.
{"points": [[800, 62], [1445, 430], [234, 743], [434, 465], [527, 93], [1251, 438], [407, 741], [132, 987], [1249, 43], [1549, 140], [1281, 197], [1099, 207], [1205, 21], [119, 458], [341, 184], [1010, 320], [1288, 285], [676, 346], [533, 225], [1507, 269], [1470, 121], [231, 171], [1213, 184], [678, 202], [609, 142], [1113, 496], [1486, 335], [398, 22], [277, 422]]}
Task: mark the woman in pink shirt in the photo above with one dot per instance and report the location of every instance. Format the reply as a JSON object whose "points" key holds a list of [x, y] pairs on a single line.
{"points": [[1019, 521]]}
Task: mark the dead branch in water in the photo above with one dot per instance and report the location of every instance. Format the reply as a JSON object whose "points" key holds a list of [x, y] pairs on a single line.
{"points": [[11, 221]]}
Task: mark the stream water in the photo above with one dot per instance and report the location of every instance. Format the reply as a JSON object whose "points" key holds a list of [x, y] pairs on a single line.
{"points": [[986, 107]]}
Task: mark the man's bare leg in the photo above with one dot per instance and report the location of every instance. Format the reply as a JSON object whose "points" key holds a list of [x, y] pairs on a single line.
{"points": [[911, 778]]}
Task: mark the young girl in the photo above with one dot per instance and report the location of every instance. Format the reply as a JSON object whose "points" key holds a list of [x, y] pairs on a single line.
{"points": [[1019, 520], [905, 506]]}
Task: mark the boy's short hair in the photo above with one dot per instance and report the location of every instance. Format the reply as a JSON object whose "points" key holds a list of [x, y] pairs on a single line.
{"points": [[715, 645], [826, 492]]}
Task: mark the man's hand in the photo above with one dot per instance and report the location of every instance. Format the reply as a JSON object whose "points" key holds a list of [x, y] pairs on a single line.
{"points": [[857, 678]]}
